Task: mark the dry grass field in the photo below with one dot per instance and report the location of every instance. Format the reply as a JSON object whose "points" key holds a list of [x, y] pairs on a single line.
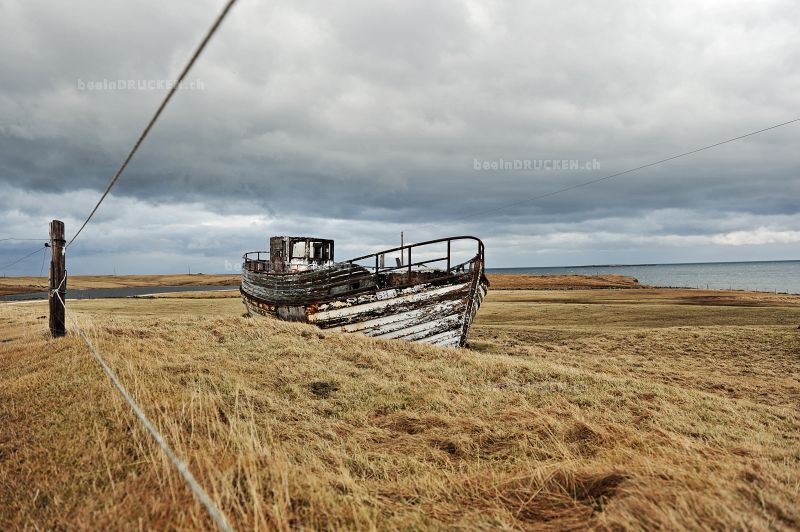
{"points": [[524, 281], [19, 285], [14, 285], [609, 409]]}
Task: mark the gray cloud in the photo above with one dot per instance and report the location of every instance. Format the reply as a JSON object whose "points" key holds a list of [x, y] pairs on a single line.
{"points": [[361, 119]]}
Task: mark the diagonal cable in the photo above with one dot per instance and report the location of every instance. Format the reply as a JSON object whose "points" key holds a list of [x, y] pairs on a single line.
{"points": [[631, 170], [3, 267], [158, 112]]}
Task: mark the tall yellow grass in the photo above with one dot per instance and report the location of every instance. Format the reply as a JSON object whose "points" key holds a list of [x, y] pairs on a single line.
{"points": [[564, 414]]}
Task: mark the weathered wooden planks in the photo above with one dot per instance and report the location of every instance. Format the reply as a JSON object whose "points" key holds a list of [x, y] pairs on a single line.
{"points": [[420, 305]]}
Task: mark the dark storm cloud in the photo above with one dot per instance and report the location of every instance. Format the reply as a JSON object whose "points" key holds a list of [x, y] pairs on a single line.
{"points": [[377, 113]]}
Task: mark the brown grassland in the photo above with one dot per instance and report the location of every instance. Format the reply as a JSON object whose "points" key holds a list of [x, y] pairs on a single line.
{"points": [[618, 409], [19, 285], [15, 285], [517, 281]]}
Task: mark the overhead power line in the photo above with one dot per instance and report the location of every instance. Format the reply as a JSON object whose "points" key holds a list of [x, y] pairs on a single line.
{"points": [[216, 515], [10, 264], [41, 269], [157, 114], [606, 178], [23, 239]]}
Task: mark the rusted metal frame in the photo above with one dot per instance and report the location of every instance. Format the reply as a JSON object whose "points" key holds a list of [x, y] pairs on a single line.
{"points": [[389, 269], [249, 265], [246, 256], [444, 276], [418, 244], [432, 280], [249, 261], [448, 240]]}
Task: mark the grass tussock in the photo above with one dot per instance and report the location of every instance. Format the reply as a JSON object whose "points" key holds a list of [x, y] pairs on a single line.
{"points": [[562, 415]]}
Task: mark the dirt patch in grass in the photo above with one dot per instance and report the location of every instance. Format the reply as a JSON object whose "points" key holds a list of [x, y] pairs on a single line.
{"points": [[322, 388]]}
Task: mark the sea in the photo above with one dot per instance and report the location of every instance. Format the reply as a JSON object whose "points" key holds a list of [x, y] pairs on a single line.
{"points": [[761, 276]]}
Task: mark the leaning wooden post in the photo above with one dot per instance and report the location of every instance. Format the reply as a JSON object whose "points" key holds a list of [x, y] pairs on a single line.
{"points": [[58, 282]]}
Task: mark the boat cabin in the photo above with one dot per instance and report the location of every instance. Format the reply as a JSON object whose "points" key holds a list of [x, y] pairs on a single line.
{"points": [[288, 254]]}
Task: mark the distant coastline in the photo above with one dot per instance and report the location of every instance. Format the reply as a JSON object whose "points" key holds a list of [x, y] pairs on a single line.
{"points": [[781, 276], [643, 264]]}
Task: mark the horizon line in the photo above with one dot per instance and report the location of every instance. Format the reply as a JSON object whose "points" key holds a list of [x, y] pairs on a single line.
{"points": [[613, 265]]}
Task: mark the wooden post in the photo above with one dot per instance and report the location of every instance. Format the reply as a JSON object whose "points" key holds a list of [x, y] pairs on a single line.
{"points": [[58, 280]]}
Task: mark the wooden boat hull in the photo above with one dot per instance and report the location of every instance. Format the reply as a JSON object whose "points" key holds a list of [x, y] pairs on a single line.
{"points": [[438, 310]]}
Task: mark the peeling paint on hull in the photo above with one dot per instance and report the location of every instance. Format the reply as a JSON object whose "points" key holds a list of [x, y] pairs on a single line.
{"points": [[438, 312]]}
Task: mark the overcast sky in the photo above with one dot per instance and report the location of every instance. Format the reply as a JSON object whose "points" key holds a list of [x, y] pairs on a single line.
{"points": [[358, 120]]}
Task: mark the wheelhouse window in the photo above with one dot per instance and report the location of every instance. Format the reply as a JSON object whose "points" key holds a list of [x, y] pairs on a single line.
{"points": [[299, 249], [310, 250], [320, 251]]}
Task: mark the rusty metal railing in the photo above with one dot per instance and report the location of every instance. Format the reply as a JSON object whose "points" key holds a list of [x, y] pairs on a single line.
{"points": [[258, 261], [254, 263], [409, 264], [363, 279]]}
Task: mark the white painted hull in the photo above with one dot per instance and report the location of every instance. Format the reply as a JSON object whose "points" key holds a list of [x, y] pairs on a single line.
{"points": [[432, 313]]}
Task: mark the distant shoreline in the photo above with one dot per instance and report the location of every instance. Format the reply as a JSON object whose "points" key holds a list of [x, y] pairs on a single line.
{"points": [[759, 276], [491, 270], [92, 286]]}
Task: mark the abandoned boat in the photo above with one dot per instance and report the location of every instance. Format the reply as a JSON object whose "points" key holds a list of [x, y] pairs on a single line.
{"points": [[432, 300]]}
